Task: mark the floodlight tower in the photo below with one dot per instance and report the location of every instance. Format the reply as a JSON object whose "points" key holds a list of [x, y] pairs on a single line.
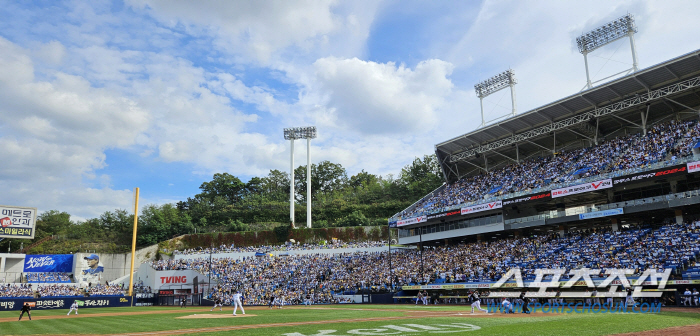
{"points": [[292, 134], [606, 34], [493, 85]]}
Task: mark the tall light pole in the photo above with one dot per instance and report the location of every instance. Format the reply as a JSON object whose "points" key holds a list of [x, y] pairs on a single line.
{"points": [[493, 85], [292, 134], [606, 34]]}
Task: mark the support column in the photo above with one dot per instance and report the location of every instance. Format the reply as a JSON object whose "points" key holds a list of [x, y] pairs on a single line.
{"points": [[308, 183], [291, 183], [478, 238], [614, 225], [517, 153], [562, 231], [512, 98], [446, 242], [481, 102], [611, 195], [588, 76], [674, 186], [679, 216], [634, 52], [2, 264]]}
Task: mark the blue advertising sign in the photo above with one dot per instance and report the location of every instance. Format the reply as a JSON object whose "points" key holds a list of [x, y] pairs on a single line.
{"points": [[604, 213], [48, 263], [64, 302]]}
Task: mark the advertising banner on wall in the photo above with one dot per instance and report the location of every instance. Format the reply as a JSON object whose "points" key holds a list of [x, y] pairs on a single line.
{"points": [[409, 221], [176, 280], [91, 270], [582, 188], [693, 166], [17, 222], [444, 214], [650, 175], [603, 213], [528, 198], [65, 302], [482, 207], [48, 263]]}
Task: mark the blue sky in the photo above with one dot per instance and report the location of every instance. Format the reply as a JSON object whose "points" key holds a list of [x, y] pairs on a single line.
{"points": [[99, 97]]}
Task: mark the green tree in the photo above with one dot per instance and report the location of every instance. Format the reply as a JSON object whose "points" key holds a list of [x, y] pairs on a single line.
{"points": [[276, 186], [356, 218], [421, 176], [224, 185]]}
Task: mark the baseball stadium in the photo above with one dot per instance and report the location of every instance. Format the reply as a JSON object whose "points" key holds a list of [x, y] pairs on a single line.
{"points": [[578, 217]]}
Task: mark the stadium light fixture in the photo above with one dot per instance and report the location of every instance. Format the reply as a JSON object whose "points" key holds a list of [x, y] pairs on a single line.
{"points": [[606, 34], [292, 134], [494, 84]]}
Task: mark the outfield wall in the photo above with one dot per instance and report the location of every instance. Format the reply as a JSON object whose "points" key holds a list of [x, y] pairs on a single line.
{"points": [[65, 302]]}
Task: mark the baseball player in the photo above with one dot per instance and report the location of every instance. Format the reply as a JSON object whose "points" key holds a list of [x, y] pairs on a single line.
{"points": [[419, 298], [307, 300], [596, 299], [237, 302], [686, 297], [425, 297], [589, 300], [609, 301], [217, 303], [272, 301], [73, 307], [279, 302], [26, 309], [476, 302], [696, 296], [507, 307], [629, 299]]}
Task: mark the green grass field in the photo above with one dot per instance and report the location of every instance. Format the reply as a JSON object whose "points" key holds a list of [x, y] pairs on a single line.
{"points": [[342, 319]]}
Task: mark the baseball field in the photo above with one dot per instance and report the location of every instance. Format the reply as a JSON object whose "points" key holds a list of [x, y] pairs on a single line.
{"points": [[345, 320]]}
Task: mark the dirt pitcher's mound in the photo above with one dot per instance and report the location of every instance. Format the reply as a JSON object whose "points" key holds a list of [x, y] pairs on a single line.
{"points": [[210, 316]]}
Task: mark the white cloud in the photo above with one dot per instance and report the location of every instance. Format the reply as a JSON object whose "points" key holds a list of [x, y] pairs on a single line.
{"points": [[372, 98], [55, 133], [184, 87], [265, 30]]}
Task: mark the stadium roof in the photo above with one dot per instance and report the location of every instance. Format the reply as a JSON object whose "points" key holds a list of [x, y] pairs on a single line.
{"points": [[627, 104]]}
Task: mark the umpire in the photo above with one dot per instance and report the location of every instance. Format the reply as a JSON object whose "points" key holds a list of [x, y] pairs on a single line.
{"points": [[25, 309], [525, 303]]}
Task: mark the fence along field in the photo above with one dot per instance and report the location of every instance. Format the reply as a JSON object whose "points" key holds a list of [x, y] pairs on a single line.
{"points": [[352, 319]]}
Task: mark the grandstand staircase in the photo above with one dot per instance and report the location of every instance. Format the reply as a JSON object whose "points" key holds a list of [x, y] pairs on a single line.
{"points": [[41, 241]]}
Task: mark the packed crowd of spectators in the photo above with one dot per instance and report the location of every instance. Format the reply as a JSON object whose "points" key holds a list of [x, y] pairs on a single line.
{"points": [[42, 277], [323, 274], [26, 290], [21, 290], [59, 290], [284, 247], [663, 142], [99, 289]]}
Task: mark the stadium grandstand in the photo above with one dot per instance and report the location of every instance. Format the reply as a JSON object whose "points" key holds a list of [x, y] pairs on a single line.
{"points": [[618, 154], [603, 179]]}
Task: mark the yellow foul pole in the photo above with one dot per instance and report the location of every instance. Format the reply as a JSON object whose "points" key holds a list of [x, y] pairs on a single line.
{"points": [[133, 244]]}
